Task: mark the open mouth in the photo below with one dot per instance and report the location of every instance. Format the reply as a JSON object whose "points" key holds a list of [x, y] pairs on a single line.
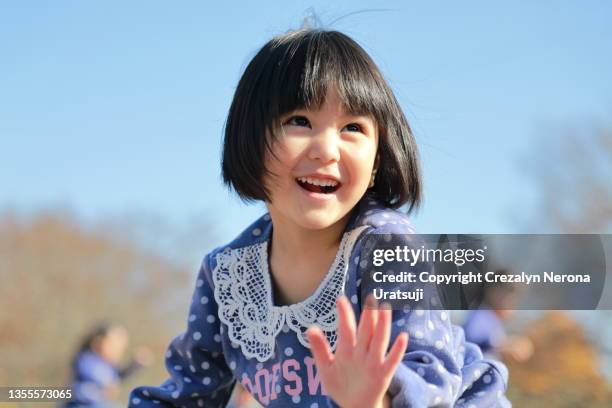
{"points": [[316, 185]]}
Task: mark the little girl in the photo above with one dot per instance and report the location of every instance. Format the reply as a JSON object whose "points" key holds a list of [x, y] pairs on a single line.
{"points": [[316, 133]]}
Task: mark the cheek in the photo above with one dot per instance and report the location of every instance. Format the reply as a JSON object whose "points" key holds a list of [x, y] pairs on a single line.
{"points": [[287, 155], [280, 169], [292, 148], [362, 162]]}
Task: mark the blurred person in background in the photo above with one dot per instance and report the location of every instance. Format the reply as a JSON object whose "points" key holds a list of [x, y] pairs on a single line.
{"points": [[486, 328], [96, 367]]}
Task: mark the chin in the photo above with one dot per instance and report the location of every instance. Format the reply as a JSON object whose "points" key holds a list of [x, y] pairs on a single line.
{"points": [[317, 220]]}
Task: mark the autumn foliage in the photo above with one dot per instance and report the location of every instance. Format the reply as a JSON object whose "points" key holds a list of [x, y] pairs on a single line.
{"points": [[59, 278]]}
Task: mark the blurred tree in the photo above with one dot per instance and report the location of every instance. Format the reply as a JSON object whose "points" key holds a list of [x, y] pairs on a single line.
{"points": [[571, 170], [59, 277], [563, 372]]}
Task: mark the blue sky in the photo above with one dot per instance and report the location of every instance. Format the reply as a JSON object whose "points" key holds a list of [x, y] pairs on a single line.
{"points": [[112, 107]]}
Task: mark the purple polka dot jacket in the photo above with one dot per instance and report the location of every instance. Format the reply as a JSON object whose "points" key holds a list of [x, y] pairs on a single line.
{"points": [[236, 332]]}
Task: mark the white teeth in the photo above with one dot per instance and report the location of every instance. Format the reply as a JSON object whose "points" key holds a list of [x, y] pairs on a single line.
{"points": [[318, 182]]}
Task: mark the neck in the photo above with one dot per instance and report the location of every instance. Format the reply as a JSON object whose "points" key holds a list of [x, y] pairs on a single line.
{"points": [[298, 243], [300, 257]]}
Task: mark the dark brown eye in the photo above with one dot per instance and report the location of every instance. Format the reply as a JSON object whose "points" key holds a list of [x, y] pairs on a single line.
{"points": [[297, 121], [354, 127]]}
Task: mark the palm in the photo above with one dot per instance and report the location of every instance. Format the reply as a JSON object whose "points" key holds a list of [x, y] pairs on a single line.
{"points": [[359, 372]]}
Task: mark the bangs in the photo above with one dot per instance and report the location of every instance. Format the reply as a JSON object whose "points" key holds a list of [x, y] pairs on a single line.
{"points": [[306, 66]]}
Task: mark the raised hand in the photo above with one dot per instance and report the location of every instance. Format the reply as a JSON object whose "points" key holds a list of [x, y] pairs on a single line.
{"points": [[358, 374]]}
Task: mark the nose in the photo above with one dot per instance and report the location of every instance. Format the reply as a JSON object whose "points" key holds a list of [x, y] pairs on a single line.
{"points": [[324, 146]]}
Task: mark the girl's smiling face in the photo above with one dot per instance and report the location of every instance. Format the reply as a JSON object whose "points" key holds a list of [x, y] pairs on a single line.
{"points": [[321, 164]]}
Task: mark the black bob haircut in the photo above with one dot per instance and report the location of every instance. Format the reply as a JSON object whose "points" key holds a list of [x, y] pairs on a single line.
{"points": [[293, 71]]}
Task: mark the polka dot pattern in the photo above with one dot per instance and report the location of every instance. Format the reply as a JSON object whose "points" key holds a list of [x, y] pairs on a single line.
{"points": [[205, 357]]}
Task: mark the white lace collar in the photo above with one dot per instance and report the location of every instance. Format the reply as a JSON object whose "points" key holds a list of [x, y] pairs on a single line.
{"points": [[243, 292]]}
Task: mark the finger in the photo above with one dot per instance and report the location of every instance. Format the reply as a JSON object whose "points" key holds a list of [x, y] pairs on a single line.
{"points": [[367, 325], [319, 347], [398, 349], [346, 327], [380, 340]]}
